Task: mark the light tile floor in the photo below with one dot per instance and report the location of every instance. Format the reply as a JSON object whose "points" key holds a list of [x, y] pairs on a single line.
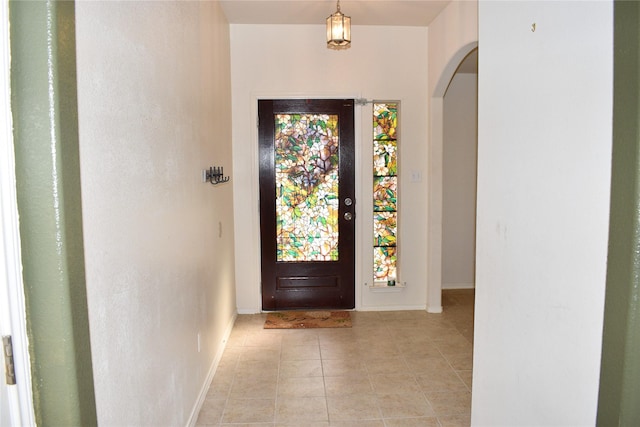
{"points": [[391, 369]]}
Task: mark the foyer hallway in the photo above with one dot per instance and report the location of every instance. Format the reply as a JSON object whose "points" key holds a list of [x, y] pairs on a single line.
{"points": [[392, 369]]}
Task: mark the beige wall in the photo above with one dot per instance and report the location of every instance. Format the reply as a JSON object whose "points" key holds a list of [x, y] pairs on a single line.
{"points": [[452, 35], [154, 110], [384, 63]]}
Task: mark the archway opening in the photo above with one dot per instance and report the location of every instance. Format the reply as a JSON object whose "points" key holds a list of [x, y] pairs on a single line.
{"points": [[436, 148]]}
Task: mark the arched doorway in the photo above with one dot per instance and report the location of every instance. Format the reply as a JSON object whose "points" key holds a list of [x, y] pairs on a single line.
{"points": [[459, 169], [435, 224]]}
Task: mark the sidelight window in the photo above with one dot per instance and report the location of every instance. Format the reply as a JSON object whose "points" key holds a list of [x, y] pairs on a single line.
{"points": [[385, 193]]}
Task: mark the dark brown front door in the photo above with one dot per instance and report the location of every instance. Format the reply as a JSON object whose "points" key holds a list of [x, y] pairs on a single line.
{"points": [[307, 204]]}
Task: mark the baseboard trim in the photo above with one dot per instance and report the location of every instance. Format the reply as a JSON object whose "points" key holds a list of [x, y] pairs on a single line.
{"points": [[249, 311], [193, 418], [392, 308], [434, 309], [458, 286]]}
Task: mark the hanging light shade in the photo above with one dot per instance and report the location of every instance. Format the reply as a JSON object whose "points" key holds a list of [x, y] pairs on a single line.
{"points": [[338, 30]]}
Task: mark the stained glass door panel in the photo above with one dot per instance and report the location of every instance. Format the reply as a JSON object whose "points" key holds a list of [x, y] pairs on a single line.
{"points": [[307, 182], [306, 203]]}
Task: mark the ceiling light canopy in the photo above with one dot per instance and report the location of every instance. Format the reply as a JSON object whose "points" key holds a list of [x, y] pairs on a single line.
{"points": [[338, 30]]}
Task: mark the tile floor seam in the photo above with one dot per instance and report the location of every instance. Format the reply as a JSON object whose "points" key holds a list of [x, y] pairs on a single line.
{"points": [[380, 414], [275, 408], [228, 394], [324, 384]]}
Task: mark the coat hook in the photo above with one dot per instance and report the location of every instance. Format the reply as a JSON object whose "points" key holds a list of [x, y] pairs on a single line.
{"points": [[533, 27], [215, 175]]}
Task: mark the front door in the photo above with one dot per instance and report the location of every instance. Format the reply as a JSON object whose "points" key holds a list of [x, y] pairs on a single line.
{"points": [[307, 205]]}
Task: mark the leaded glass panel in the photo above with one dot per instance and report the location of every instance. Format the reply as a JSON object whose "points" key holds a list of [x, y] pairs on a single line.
{"points": [[384, 228], [385, 191], [384, 261], [306, 163], [385, 158], [385, 121]]}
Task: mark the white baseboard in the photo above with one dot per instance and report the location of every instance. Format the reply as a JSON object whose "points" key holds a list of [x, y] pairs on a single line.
{"points": [[249, 311], [392, 308], [458, 286], [193, 418], [434, 309]]}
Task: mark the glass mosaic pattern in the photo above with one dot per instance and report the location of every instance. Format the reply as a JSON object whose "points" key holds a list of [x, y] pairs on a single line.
{"points": [[384, 228], [385, 121], [306, 164], [385, 191], [384, 158], [384, 261]]}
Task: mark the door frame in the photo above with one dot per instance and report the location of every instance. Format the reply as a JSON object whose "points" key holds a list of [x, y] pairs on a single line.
{"points": [[342, 294], [252, 255]]}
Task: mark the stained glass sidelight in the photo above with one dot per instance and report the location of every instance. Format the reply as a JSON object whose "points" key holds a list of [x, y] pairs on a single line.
{"points": [[384, 228], [384, 261], [385, 191], [384, 158], [306, 164]]}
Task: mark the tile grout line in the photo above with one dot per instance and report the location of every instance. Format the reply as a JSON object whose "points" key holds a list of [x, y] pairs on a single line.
{"points": [[324, 382], [233, 379], [275, 408]]}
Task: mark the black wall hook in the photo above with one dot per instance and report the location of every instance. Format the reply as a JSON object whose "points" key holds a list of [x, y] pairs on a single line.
{"points": [[215, 175]]}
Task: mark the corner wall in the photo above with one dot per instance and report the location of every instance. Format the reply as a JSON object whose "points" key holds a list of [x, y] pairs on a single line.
{"points": [[154, 110], [452, 35], [544, 173]]}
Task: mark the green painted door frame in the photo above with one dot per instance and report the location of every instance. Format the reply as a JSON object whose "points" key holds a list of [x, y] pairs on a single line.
{"points": [[45, 120], [619, 398]]}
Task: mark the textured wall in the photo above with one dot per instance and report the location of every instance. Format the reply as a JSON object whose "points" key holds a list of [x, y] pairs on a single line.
{"points": [[544, 173], [154, 110]]}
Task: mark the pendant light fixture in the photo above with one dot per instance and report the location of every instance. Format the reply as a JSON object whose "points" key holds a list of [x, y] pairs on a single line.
{"points": [[338, 30]]}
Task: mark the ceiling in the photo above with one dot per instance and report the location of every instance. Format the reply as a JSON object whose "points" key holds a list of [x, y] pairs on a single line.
{"points": [[414, 13], [362, 12]]}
